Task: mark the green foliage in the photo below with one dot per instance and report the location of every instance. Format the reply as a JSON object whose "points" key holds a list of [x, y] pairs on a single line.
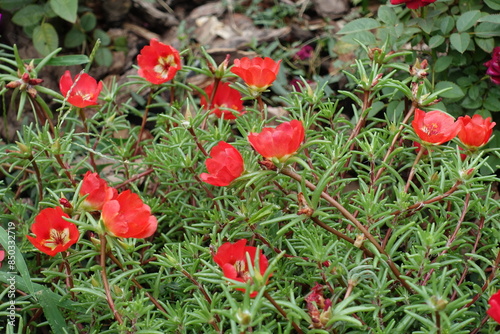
{"points": [[399, 242]]}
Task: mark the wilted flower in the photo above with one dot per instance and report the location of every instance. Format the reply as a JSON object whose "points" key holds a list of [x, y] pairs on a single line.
{"points": [[25, 83], [53, 233], [279, 142], [494, 310], [494, 66], [318, 307], [225, 97], [82, 92], [412, 4], [258, 73], [225, 165], [232, 259], [435, 127], [476, 131], [158, 62], [97, 190], [127, 216]]}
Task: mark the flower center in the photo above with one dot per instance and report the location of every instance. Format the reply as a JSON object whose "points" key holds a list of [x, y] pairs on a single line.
{"points": [[431, 129], [164, 63], [57, 238], [241, 271], [85, 97]]}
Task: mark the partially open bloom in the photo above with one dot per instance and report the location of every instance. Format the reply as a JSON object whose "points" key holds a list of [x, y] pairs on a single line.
{"points": [[127, 216], [53, 233], [225, 97], [279, 142], [494, 310], [476, 131], [258, 73], [158, 62], [494, 66], [97, 190], [435, 127], [225, 165], [82, 92], [412, 4], [232, 259]]}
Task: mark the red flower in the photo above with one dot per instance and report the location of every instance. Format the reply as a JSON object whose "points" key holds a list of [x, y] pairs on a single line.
{"points": [[2, 256], [476, 131], [412, 4], [494, 66], [82, 92], [225, 165], [494, 310], [231, 257], [97, 190], [435, 127], [53, 233], [127, 216], [225, 97], [305, 52], [279, 142], [158, 62], [258, 73]]}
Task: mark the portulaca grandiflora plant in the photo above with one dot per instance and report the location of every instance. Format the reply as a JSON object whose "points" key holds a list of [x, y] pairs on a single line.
{"points": [[369, 209]]}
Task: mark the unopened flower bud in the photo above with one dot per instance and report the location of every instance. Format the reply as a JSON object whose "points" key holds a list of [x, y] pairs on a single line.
{"points": [[244, 317]]}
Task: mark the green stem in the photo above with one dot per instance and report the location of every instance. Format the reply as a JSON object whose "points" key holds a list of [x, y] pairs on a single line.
{"points": [[413, 167], [282, 312], [105, 282], [144, 121]]}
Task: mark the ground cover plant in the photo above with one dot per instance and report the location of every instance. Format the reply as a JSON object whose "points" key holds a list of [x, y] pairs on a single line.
{"points": [[279, 197]]}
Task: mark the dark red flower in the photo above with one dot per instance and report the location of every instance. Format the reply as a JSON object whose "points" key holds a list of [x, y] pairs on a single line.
{"points": [[127, 216], [258, 73], [53, 233], [158, 62], [279, 142], [476, 131], [225, 98], [435, 127], [494, 310], [225, 165], [97, 190], [305, 52], [494, 66], [412, 4], [82, 92], [232, 259]]}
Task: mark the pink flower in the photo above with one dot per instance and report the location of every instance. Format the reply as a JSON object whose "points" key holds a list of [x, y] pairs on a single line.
{"points": [[494, 66], [53, 234], [494, 310], [279, 142], [225, 165], [97, 190], [225, 97], [127, 216], [305, 52], [232, 259], [258, 73], [435, 127], [476, 131], [412, 4], [158, 62], [82, 92]]}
